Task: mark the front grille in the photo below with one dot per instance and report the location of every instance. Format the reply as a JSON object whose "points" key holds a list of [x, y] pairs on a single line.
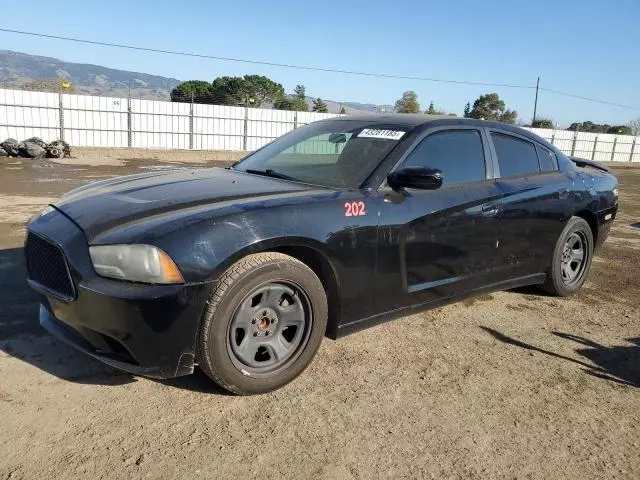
{"points": [[47, 266]]}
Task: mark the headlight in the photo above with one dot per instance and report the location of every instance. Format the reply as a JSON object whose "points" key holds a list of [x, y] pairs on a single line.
{"points": [[136, 263]]}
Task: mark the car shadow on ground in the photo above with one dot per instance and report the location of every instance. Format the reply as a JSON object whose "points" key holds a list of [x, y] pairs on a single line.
{"points": [[22, 337], [619, 364], [532, 290]]}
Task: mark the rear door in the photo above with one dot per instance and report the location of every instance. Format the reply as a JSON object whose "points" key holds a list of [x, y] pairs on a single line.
{"points": [[434, 244], [535, 204]]}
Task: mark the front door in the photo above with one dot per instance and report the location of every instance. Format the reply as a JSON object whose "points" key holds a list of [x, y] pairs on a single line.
{"points": [[435, 244]]}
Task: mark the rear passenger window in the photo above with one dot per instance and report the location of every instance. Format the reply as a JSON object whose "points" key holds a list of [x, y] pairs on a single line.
{"points": [[457, 153], [515, 156], [548, 160]]}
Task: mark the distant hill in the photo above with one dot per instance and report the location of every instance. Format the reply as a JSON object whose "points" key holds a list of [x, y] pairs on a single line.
{"points": [[17, 69]]}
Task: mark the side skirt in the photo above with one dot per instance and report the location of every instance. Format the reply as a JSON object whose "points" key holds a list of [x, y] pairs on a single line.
{"points": [[361, 324]]}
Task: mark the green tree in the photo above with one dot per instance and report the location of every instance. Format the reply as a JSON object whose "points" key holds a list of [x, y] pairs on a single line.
{"points": [[342, 111], [200, 90], [542, 123], [319, 106], [284, 103], [578, 126], [408, 103], [433, 110], [300, 92], [300, 99], [591, 127], [247, 91], [620, 130], [467, 110], [261, 89], [226, 91], [296, 102], [490, 107]]}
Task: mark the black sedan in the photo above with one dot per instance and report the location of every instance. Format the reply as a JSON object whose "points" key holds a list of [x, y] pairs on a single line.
{"points": [[331, 228]]}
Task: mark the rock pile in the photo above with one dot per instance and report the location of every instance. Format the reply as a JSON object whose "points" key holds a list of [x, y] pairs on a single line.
{"points": [[34, 147]]}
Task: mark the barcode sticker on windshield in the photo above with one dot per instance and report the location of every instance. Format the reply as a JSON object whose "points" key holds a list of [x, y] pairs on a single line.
{"points": [[378, 133]]}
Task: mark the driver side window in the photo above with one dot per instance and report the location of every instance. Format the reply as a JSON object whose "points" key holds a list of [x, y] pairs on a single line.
{"points": [[457, 153]]}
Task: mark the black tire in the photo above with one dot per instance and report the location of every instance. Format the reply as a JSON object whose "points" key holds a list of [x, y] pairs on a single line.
{"points": [[215, 348], [558, 282]]}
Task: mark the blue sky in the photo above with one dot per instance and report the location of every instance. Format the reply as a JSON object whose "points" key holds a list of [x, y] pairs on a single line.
{"points": [[586, 47]]}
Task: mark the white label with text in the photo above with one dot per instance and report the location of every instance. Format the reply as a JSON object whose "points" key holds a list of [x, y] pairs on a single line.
{"points": [[378, 133]]}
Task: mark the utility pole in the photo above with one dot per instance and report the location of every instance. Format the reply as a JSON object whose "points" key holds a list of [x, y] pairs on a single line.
{"points": [[535, 105]]}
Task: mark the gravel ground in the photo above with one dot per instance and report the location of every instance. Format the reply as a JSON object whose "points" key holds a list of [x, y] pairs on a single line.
{"points": [[507, 385]]}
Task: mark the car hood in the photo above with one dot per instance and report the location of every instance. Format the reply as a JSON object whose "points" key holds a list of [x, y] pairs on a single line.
{"points": [[100, 206]]}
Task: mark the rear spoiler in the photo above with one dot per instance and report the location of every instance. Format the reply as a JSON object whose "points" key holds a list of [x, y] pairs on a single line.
{"points": [[581, 162]]}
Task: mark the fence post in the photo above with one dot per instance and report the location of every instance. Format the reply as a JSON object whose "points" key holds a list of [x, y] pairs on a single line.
{"points": [[61, 113], [246, 128], [613, 152], [573, 144], [553, 137], [595, 147], [295, 125], [129, 121], [633, 148], [191, 123]]}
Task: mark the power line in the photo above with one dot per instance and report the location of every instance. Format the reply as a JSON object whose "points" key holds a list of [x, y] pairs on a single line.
{"points": [[258, 62], [558, 92], [316, 69]]}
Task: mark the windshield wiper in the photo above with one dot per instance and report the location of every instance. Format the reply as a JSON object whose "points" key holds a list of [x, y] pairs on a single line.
{"points": [[269, 172]]}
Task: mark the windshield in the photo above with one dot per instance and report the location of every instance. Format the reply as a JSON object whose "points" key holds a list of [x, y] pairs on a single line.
{"points": [[337, 154]]}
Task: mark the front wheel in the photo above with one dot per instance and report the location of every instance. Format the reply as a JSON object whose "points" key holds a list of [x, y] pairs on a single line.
{"points": [[263, 324], [571, 259]]}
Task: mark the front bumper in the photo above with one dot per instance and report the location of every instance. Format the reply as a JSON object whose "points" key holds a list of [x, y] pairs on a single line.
{"points": [[147, 330], [73, 338], [605, 220]]}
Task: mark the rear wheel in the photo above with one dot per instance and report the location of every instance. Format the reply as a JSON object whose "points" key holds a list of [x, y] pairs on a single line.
{"points": [[571, 259], [263, 324]]}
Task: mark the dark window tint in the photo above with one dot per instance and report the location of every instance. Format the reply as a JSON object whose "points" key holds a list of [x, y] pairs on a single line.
{"points": [[548, 160], [457, 153], [515, 156]]}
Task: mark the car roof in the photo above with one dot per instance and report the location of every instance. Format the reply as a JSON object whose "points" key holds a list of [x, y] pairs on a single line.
{"points": [[424, 121], [393, 118]]}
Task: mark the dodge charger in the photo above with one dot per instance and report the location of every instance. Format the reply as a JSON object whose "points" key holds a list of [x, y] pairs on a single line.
{"points": [[331, 228]]}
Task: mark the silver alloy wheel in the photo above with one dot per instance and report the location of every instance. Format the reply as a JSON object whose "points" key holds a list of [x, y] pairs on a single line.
{"points": [[574, 258], [269, 328]]}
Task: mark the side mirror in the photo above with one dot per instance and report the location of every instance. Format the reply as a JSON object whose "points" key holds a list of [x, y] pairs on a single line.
{"points": [[337, 138], [416, 177]]}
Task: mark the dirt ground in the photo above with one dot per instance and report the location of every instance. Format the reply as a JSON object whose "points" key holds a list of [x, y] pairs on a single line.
{"points": [[508, 385]]}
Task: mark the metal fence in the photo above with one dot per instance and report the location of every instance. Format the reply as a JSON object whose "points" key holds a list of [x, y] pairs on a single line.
{"points": [[92, 121], [602, 147]]}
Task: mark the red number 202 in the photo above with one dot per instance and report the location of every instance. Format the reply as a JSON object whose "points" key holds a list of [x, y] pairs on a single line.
{"points": [[354, 209]]}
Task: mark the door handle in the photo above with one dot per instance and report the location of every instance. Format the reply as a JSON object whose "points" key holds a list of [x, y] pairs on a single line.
{"points": [[490, 209]]}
